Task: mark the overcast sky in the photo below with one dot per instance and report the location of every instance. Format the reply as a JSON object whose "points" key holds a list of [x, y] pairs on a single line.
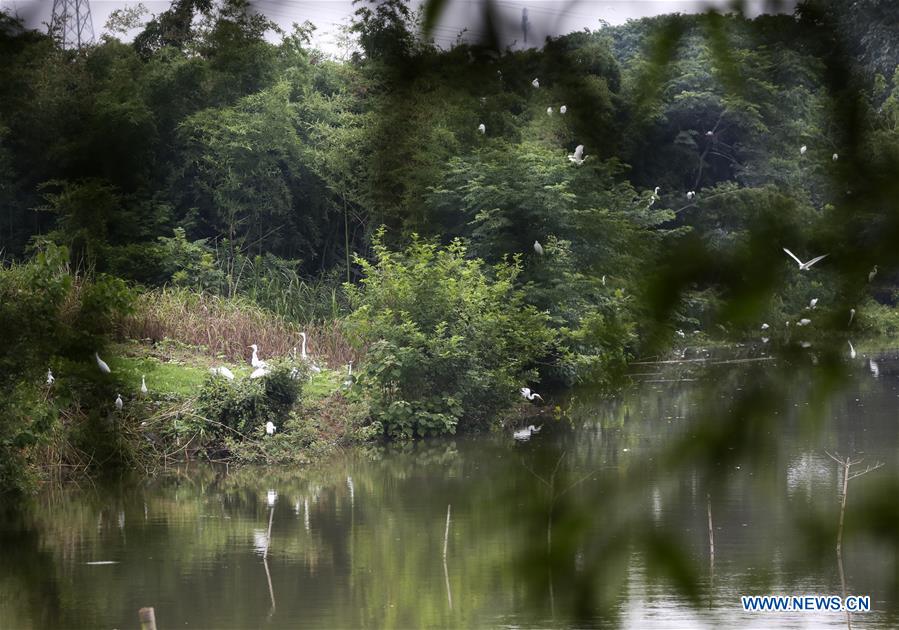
{"points": [[545, 17]]}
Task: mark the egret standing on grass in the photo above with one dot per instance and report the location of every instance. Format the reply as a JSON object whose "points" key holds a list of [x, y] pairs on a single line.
{"points": [[804, 266], [101, 364], [143, 385], [222, 371], [527, 393], [305, 356], [254, 360]]}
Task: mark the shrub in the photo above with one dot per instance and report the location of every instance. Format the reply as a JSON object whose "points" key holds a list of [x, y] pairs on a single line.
{"points": [[450, 339]]}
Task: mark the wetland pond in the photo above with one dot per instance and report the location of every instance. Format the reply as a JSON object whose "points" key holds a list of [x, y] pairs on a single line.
{"points": [[601, 519]]}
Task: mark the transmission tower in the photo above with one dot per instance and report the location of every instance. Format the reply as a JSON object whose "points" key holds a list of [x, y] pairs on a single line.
{"points": [[72, 24]]}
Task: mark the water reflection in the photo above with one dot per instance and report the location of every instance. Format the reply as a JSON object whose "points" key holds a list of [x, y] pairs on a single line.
{"points": [[608, 520]]}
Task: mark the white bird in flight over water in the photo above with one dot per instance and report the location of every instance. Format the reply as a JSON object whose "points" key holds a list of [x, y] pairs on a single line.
{"points": [[527, 393], [578, 156], [143, 385], [538, 248], [851, 351], [482, 128], [118, 402], [525, 434], [805, 266], [101, 364], [269, 428], [563, 109], [536, 82], [254, 360], [50, 378]]}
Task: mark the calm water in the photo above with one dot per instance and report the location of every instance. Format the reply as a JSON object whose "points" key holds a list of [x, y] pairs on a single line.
{"points": [[601, 520]]}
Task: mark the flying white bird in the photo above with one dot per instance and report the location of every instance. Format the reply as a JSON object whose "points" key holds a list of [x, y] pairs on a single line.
{"points": [[118, 402], [143, 385], [269, 428], [852, 353], [835, 157], [578, 156], [563, 109], [482, 128], [872, 274], [851, 316], [804, 266], [765, 327], [538, 248], [803, 149], [525, 434], [101, 364], [536, 82], [222, 371], [813, 303], [805, 321], [50, 378], [254, 360], [549, 111], [527, 393]]}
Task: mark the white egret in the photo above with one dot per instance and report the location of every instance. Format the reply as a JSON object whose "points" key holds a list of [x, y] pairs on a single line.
{"points": [[348, 381], [549, 111], [813, 303], [259, 372], [803, 149], [271, 496], [875, 369], [482, 128], [805, 344], [690, 195], [851, 316], [303, 354], [525, 434], [101, 364], [563, 109], [872, 274], [118, 402], [709, 133], [765, 327], [852, 353], [536, 82], [680, 333], [603, 280], [222, 371], [254, 360], [578, 156], [835, 157], [269, 428], [143, 385], [50, 377], [538, 248], [805, 321], [805, 266], [765, 340], [527, 393]]}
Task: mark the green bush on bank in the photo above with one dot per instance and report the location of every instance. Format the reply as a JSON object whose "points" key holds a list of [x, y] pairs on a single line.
{"points": [[449, 339]]}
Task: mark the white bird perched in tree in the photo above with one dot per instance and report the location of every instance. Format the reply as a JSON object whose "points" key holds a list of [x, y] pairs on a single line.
{"points": [[118, 402], [50, 377], [851, 316], [549, 111], [709, 133], [482, 128], [222, 371], [813, 303], [803, 149], [804, 266], [690, 195], [578, 156], [269, 428], [538, 248], [259, 372], [143, 385], [525, 434], [254, 360], [835, 157], [805, 321], [852, 353], [536, 82], [563, 109], [765, 327], [680, 333], [655, 197], [527, 393], [101, 364], [872, 274]]}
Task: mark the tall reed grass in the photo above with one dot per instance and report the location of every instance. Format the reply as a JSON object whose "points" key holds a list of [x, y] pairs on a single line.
{"points": [[227, 326]]}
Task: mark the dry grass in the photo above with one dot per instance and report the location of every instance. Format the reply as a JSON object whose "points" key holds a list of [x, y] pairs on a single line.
{"points": [[226, 327]]}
